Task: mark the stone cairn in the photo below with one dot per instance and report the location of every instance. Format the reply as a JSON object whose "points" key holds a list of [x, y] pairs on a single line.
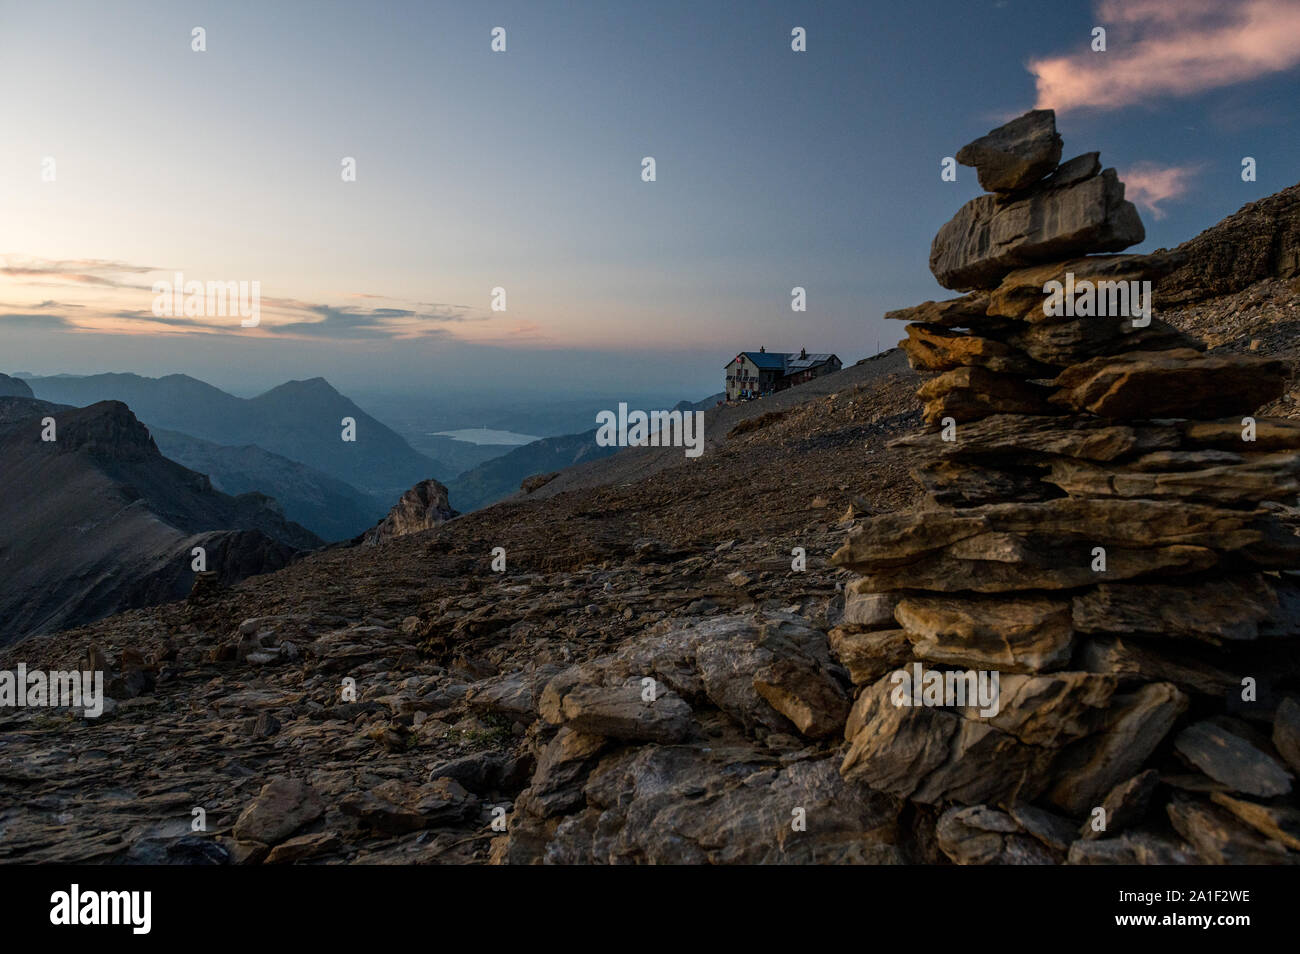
{"points": [[1105, 528]]}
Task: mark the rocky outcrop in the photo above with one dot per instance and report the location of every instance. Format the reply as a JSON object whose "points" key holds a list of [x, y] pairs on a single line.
{"points": [[529, 484], [1260, 241], [423, 507], [1105, 534], [697, 743]]}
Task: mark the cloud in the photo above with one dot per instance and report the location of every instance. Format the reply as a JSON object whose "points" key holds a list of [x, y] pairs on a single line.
{"points": [[24, 320], [1148, 184], [1160, 49], [188, 323], [363, 323], [436, 310], [329, 321], [82, 271], [48, 305], [112, 299]]}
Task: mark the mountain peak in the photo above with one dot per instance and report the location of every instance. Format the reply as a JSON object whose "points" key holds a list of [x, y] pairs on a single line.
{"points": [[107, 430], [310, 387]]}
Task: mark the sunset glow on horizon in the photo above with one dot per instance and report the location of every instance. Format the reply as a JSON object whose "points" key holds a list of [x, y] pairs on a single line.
{"points": [[138, 157]]}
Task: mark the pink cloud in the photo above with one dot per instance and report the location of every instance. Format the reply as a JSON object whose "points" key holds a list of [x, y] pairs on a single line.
{"points": [[1156, 48], [1148, 184]]}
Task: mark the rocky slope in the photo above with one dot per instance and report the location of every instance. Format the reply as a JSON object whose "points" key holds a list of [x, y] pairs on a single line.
{"points": [[530, 467], [721, 424], [1257, 243], [1239, 290], [501, 476], [98, 520], [445, 654], [658, 676]]}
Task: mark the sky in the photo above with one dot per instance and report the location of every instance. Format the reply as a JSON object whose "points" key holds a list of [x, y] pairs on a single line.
{"points": [[127, 156]]}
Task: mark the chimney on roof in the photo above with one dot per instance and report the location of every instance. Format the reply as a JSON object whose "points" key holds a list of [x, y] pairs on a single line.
{"points": [[762, 350], [803, 353]]}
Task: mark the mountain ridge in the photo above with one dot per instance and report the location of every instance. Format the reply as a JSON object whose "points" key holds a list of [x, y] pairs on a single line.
{"points": [[330, 508], [98, 520], [300, 420]]}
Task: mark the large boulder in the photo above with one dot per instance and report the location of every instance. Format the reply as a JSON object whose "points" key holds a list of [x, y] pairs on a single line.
{"points": [[969, 393], [626, 712], [1020, 293], [1177, 383], [1049, 545], [1231, 760], [1010, 634], [932, 755], [1088, 771], [979, 835], [991, 236], [1017, 154], [282, 807], [936, 348], [1213, 611]]}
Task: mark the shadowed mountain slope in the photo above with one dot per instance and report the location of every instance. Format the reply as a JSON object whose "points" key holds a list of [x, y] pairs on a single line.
{"points": [[14, 387], [330, 508], [98, 520], [502, 476]]}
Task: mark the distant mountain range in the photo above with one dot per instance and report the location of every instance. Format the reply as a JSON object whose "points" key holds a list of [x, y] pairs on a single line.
{"points": [[453, 456], [328, 507], [105, 517], [300, 420], [286, 442], [500, 477], [98, 520]]}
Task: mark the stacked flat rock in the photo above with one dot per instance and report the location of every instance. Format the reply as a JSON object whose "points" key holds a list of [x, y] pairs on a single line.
{"points": [[1099, 532]]}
